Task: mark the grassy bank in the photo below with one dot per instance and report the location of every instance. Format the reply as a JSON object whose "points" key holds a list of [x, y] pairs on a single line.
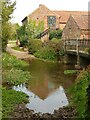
{"points": [[13, 74], [80, 94], [11, 98]]}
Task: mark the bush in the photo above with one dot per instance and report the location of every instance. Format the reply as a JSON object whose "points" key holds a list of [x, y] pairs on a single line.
{"points": [[34, 45], [9, 61], [46, 53], [55, 34], [23, 41], [57, 45], [15, 76], [79, 90], [12, 70], [51, 51]]}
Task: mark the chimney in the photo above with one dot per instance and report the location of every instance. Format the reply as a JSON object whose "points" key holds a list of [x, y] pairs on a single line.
{"points": [[40, 5]]}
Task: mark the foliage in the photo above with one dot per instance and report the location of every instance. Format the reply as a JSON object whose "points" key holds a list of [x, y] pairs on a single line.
{"points": [[23, 41], [21, 31], [21, 34], [55, 34], [9, 61], [10, 98], [12, 42], [14, 29], [53, 50], [7, 10], [46, 53], [33, 28], [57, 45], [70, 72], [15, 76], [17, 48], [34, 45], [87, 50], [79, 90], [29, 31], [12, 70]]}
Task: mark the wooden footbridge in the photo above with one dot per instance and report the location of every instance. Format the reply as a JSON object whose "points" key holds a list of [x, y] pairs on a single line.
{"points": [[78, 47]]}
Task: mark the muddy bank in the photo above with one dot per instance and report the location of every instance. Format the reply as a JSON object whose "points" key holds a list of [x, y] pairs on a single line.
{"points": [[22, 112]]}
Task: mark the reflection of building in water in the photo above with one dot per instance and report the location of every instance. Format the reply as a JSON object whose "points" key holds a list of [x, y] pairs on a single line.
{"points": [[42, 88], [53, 101]]}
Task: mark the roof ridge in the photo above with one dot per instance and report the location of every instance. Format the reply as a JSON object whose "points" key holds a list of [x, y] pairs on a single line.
{"points": [[68, 11]]}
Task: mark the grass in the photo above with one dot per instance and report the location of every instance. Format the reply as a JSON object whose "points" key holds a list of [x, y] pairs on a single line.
{"points": [[9, 61], [17, 48], [16, 77], [70, 72], [11, 98], [13, 74], [12, 42]]}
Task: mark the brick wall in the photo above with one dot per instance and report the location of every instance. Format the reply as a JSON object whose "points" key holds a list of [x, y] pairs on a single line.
{"points": [[71, 30], [41, 15]]}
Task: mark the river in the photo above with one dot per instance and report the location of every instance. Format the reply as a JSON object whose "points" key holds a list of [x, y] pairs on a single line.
{"points": [[47, 89]]}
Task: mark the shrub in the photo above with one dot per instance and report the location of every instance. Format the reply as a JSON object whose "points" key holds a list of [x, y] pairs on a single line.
{"points": [[23, 41], [15, 76], [9, 61], [55, 34], [34, 45], [46, 53], [51, 51], [79, 90], [57, 45], [12, 70]]}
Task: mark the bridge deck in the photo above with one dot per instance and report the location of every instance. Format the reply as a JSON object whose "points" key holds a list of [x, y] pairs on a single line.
{"points": [[81, 53]]}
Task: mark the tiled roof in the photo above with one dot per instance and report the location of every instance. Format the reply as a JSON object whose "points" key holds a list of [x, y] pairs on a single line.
{"points": [[64, 15], [82, 21]]}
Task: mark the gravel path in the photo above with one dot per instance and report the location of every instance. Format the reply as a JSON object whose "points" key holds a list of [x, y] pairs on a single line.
{"points": [[19, 54]]}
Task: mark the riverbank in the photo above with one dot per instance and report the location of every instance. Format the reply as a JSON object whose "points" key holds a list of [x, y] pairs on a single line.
{"points": [[21, 111], [19, 54], [24, 55], [63, 113]]}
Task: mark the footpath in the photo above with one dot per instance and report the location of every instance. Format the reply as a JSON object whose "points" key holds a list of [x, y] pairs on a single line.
{"points": [[19, 54]]}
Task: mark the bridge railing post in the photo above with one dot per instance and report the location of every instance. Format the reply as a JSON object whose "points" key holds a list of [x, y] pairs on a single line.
{"points": [[77, 50], [64, 45]]}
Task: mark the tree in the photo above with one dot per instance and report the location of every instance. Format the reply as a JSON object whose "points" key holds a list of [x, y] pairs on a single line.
{"points": [[33, 29], [7, 10], [14, 29], [29, 31]]}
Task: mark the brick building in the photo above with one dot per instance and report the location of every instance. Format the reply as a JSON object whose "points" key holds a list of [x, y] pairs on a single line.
{"points": [[53, 19], [77, 26]]}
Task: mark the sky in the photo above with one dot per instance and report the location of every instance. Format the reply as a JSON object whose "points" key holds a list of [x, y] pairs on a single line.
{"points": [[25, 7]]}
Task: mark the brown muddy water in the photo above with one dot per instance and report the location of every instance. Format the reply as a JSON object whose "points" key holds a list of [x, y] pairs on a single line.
{"points": [[47, 90]]}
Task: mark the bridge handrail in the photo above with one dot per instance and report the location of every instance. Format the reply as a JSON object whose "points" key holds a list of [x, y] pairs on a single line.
{"points": [[80, 42]]}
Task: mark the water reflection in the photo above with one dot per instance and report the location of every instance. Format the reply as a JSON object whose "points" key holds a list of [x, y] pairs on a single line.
{"points": [[55, 100], [47, 77], [46, 88]]}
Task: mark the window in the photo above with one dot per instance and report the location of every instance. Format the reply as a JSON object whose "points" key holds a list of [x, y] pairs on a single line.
{"points": [[51, 21]]}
